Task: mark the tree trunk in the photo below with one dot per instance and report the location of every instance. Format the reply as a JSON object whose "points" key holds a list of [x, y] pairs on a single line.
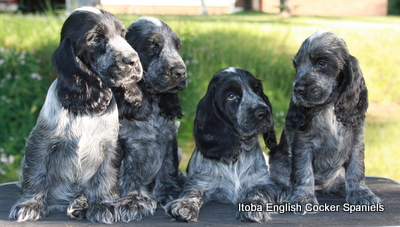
{"points": [[203, 8], [284, 8]]}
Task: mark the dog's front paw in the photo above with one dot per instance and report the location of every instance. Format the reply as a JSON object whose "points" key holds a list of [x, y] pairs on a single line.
{"points": [[77, 209], [283, 193], [183, 209], [29, 211], [135, 207], [258, 215], [102, 213], [362, 196], [306, 202]]}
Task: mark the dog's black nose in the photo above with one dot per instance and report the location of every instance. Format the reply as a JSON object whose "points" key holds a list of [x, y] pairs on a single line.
{"points": [[179, 72], [261, 113], [131, 61], [299, 89]]}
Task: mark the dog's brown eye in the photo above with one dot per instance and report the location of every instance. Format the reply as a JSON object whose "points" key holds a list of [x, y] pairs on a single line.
{"points": [[322, 64], [257, 89], [96, 39], [231, 96]]}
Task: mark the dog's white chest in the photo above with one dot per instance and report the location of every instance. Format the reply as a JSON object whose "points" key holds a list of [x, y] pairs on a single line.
{"points": [[74, 135]]}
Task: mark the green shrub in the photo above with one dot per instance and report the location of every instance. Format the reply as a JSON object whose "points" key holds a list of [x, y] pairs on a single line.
{"points": [[22, 93]]}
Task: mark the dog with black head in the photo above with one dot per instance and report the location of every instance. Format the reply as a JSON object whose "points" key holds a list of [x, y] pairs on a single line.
{"points": [[71, 154], [322, 144], [228, 164], [149, 169]]}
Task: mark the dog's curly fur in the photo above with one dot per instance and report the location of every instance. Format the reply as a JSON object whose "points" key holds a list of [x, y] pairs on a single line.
{"points": [[322, 144], [149, 169], [72, 151], [228, 164]]}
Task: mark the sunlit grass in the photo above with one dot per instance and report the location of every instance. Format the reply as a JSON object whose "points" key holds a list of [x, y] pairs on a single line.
{"points": [[262, 44], [382, 141]]}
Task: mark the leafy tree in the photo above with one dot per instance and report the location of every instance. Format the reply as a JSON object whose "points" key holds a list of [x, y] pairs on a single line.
{"points": [[394, 7]]}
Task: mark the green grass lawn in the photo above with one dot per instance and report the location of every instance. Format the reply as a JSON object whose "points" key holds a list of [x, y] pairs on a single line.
{"points": [[260, 43]]}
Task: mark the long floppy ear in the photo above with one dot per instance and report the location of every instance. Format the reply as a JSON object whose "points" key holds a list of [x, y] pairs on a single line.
{"points": [[128, 110], [269, 136], [213, 137], [352, 102], [78, 89], [169, 105], [131, 93], [298, 117]]}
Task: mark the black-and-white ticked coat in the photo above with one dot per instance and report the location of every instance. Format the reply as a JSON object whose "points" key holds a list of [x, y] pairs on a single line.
{"points": [[228, 164], [322, 144], [149, 169], [71, 159]]}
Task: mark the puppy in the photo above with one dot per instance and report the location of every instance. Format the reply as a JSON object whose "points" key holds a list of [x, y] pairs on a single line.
{"points": [[149, 169], [322, 144], [228, 164], [71, 152]]}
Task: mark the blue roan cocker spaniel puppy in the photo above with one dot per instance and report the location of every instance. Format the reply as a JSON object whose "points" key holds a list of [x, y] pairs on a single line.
{"points": [[228, 164], [149, 169], [71, 153], [322, 144]]}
